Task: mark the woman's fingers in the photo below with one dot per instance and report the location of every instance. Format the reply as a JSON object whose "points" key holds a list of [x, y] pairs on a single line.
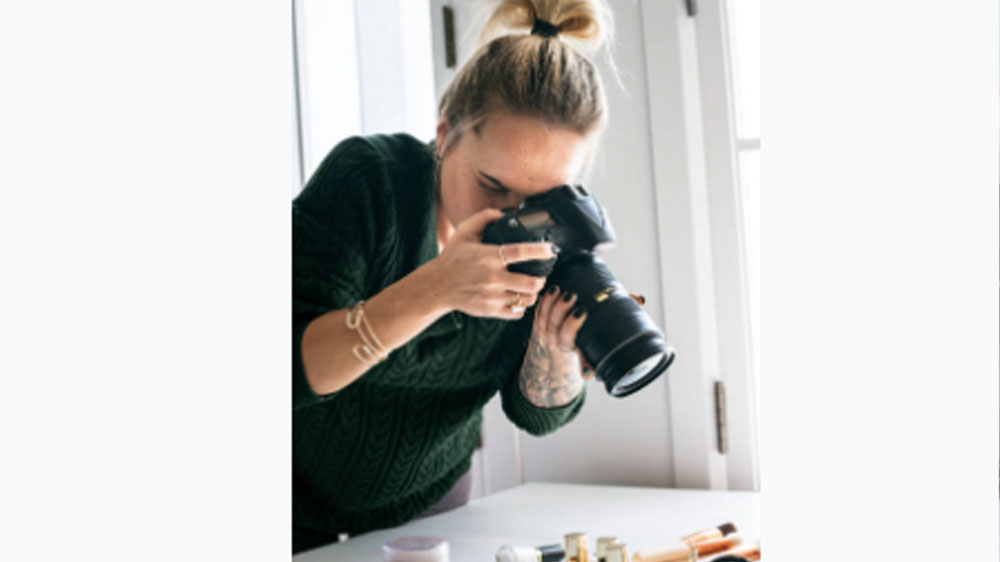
{"points": [[544, 306], [528, 251], [529, 299], [521, 283], [478, 272], [511, 306], [586, 369], [472, 228], [569, 328], [557, 315], [558, 323]]}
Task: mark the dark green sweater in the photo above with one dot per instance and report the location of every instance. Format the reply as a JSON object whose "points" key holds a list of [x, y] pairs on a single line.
{"points": [[386, 447]]}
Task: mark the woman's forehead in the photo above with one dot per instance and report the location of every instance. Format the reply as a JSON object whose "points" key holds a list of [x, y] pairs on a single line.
{"points": [[525, 153]]}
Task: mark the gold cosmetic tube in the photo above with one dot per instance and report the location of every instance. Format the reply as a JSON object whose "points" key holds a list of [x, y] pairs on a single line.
{"points": [[749, 551], [679, 552], [616, 553], [709, 534], [576, 547], [602, 547]]}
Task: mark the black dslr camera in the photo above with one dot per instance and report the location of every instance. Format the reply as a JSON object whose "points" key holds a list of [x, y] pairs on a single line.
{"points": [[627, 350]]}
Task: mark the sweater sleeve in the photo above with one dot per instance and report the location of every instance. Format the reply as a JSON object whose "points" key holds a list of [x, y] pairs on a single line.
{"points": [[335, 235], [534, 419]]}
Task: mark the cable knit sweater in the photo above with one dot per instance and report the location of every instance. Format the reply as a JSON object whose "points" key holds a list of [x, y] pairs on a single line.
{"points": [[389, 445]]}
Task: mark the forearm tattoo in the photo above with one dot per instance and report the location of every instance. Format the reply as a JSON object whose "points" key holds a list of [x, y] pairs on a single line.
{"points": [[549, 379]]}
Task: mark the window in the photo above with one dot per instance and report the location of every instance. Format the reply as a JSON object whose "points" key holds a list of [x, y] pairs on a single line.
{"points": [[744, 44], [362, 67]]}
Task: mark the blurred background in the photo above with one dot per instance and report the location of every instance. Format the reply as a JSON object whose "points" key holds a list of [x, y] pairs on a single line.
{"points": [[679, 175]]}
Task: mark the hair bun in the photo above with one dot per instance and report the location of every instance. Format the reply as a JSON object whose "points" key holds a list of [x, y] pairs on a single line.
{"points": [[544, 28], [586, 24]]}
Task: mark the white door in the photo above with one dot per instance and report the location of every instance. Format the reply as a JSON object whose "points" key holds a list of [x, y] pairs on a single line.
{"points": [[667, 174]]}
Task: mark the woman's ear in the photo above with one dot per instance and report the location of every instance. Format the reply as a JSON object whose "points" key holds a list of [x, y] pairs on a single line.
{"points": [[442, 134]]}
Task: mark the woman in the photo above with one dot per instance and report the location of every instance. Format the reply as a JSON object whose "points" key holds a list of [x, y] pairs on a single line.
{"points": [[405, 324]]}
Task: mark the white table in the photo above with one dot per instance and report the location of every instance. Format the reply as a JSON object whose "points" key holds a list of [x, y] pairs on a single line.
{"points": [[536, 514]]}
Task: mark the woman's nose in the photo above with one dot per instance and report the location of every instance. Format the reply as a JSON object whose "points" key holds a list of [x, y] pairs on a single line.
{"points": [[515, 200], [508, 202]]}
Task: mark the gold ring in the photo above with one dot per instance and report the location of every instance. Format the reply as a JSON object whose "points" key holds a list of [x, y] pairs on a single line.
{"points": [[503, 258], [518, 304]]}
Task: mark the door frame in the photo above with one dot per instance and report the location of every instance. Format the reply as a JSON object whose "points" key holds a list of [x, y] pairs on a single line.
{"points": [[701, 242]]}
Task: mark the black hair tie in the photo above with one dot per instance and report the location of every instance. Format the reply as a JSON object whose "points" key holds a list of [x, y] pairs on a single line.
{"points": [[544, 28]]}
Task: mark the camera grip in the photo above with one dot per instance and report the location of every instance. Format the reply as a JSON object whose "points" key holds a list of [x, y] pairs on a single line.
{"points": [[535, 268]]}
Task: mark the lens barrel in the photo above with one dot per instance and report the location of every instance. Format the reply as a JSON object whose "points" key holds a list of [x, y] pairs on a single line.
{"points": [[634, 365], [626, 348]]}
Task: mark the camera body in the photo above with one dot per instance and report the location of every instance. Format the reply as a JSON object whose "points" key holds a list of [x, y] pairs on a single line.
{"points": [[626, 348], [567, 216]]}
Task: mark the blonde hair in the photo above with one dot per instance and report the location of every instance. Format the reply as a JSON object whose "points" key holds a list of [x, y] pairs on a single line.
{"points": [[548, 78]]}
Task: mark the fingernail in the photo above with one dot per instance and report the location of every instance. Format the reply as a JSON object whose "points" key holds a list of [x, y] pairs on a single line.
{"points": [[568, 296], [552, 290], [555, 248], [578, 313]]}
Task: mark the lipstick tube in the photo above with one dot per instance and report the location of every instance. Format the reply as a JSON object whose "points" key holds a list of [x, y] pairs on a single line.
{"points": [[709, 534]]}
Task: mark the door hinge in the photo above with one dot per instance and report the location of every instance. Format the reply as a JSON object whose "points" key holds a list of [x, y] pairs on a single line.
{"points": [[449, 37], [720, 417], [692, 7]]}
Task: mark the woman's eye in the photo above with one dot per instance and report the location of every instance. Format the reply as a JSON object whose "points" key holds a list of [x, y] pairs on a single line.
{"points": [[491, 189]]}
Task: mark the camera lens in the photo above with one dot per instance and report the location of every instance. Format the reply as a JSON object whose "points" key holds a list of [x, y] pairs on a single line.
{"points": [[618, 338], [626, 348], [635, 364]]}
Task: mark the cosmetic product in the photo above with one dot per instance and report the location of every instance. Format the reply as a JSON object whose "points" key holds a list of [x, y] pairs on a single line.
{"points": [[683, 551], [709, 534], [602, 547], [679, 552], [713, 546], [616, 552], [416, 549], [576, 547], [547, 553], [749, 551]]}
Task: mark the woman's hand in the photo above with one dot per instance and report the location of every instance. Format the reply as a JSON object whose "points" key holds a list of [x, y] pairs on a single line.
{"points": [[472, 277], [551, 373]]}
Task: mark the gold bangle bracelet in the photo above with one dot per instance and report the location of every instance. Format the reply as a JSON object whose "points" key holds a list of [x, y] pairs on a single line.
{"points": [[370, 351]]}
